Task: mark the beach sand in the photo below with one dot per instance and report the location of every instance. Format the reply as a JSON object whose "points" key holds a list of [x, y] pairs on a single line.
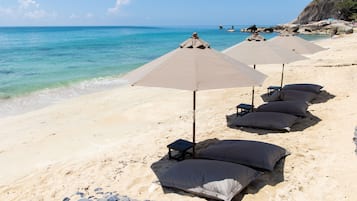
{"points": [[115, 140]]}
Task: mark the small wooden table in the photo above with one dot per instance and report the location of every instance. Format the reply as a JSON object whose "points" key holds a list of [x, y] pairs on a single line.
{"points": [[243, 109], [182, 147]]}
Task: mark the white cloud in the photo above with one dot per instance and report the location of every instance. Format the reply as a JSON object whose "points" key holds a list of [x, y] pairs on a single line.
{"points": [[25, 4], [6, 11], [26, 9], [117, 6], [89, 15], [81, 16], [74, 16], [36, 14], [31, 9]]}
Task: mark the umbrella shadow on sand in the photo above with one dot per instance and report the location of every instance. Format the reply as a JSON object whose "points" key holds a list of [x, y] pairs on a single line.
{"points": [[301, 124], [305, 122], [268, 178], [323, 97]]}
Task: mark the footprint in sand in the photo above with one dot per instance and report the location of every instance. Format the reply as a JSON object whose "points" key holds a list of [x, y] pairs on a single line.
{"points": [[153, 187], [354, 139]]}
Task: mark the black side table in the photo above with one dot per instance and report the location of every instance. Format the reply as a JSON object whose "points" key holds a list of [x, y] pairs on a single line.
{"points": [[243, 109], [182, 147]]}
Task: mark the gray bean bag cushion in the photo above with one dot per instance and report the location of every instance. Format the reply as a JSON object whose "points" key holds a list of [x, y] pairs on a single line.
{"points": [[275, 96], [208, 178], [267, 120], [287, 95], [314, 88], [251, 153], [298, 108]]}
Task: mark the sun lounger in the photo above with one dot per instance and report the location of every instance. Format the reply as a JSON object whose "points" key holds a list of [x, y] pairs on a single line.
{"points": [[306, 92], [254, 154], [314, 88], [289, 95], [266, 120], [297, 108]]}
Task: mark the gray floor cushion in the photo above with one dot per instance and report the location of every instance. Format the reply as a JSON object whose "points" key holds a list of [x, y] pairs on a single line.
{"points": [[266, 120], [298, 108], [287, 95], [275, 96], [315, 88], [208, 178], [251, 153]]}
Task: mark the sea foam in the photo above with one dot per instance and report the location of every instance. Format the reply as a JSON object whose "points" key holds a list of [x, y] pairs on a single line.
{"points": [[46, 97]]}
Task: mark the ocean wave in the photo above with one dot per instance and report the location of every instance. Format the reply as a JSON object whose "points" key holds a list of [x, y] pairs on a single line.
{"points": [[17, 105], [6, 72]]}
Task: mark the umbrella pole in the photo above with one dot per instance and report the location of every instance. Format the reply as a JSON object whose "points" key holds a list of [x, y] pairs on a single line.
{"points": [[253, 93], [194, 124], [282, 77]]}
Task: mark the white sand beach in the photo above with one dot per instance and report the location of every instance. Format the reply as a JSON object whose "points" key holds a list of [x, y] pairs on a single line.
{"points": [[116, 139]]}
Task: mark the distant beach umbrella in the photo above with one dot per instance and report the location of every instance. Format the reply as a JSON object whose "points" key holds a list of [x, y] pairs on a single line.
{"points": [[295, 43], [256, 50], [195, 66]]}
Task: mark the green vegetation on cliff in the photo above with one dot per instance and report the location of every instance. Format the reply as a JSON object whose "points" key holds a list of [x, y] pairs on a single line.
{"points": [[347, 9]]}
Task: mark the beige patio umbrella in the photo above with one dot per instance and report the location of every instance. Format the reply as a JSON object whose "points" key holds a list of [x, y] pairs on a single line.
{"points": [[259, 51], [195, 66], [296, 44]]}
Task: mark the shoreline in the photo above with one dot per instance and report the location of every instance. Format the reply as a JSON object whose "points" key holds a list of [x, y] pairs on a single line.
{"points": [[116, 139], [43, 98]]}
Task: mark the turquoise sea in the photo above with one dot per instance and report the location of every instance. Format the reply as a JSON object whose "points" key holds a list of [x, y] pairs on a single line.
{"points": [[59, 62]]}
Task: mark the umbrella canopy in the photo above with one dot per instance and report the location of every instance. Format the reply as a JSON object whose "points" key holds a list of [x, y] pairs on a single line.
{"points": [[295, 44], [195, 66], [262, 52]]}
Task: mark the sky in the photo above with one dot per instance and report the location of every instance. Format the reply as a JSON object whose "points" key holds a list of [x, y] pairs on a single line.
{"points": [[148, 12]]}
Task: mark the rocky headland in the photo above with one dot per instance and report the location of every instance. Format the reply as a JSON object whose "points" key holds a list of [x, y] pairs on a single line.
{"points": [[319, 17]]}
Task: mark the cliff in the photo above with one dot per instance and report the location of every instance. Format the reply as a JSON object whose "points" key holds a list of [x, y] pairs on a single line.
{"points": [[319, 10]]}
